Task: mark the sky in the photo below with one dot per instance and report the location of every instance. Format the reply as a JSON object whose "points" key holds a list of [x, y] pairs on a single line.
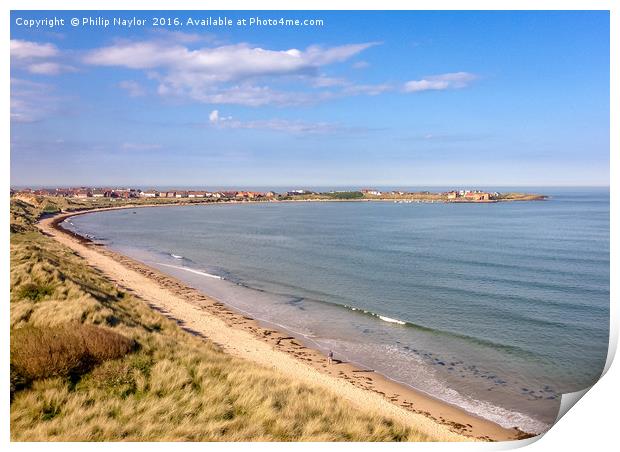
{"points": [[366, 98]]}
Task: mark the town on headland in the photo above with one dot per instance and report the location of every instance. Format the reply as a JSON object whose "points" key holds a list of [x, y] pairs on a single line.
{"points": [[364, 194]]}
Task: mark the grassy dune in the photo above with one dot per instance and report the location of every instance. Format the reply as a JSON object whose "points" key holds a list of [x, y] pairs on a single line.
{"points": [[120, 371]]}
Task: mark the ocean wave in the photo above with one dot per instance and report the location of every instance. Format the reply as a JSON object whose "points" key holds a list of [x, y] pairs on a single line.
{"points": [[505, 417], [513, 349], [176, 256], [191, 270], [391, 320], [379, 316]]}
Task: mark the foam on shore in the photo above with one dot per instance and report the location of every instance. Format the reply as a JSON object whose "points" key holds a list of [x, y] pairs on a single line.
{"points": [[191, 270]]}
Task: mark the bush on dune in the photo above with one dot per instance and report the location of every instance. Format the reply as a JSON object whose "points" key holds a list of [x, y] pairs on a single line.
{"points": [[34, 292], [72, 349]]}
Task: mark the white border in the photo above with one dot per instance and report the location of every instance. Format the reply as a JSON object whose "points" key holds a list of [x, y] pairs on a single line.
{"points": [[590, 425]]}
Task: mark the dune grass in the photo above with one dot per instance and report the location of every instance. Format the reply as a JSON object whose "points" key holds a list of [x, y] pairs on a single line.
{"points": [[67, 350], [126, 372]]}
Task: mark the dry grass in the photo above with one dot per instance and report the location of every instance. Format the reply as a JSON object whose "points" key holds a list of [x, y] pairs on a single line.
{"points": [[175, 387], [65, 350]]}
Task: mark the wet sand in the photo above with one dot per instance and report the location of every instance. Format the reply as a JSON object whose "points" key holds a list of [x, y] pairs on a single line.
{"points": [[244, 337]]}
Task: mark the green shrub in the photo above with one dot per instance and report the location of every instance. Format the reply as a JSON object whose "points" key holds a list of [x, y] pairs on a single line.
{"points": [[34, 292], [346, 195], [50, 208]]}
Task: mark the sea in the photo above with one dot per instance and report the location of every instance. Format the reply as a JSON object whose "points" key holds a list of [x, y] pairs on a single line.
{"points": [[496, 308]]}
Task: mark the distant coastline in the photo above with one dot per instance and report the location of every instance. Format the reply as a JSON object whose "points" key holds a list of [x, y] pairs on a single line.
{"points": [[70, 199]]}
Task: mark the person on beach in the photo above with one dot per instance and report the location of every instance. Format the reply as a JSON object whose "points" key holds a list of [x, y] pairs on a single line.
{"points": [[330, 357]]}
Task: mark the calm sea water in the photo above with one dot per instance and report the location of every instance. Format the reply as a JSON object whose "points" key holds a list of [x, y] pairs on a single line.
{"points": [[497, 308]]}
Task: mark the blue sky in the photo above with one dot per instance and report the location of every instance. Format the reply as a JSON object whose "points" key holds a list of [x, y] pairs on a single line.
{"points": [[399, 98]]}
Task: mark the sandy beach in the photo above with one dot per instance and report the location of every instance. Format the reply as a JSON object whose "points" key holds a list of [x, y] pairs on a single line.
{"points": [[244, 337]]}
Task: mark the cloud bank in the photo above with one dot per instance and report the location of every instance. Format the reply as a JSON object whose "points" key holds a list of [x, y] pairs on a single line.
{"points": [[228, 74], [37, 58]]}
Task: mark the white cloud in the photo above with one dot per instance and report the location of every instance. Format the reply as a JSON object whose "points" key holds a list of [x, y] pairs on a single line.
{"points": [[49, 68], [133, 88], [454, 80], [284, 125], [37, 58], [224, 63], [279, 125], [370, 90], [245, 94], [226, 74], [214, 116], [360, 65], [243, 74], [27, 50]]}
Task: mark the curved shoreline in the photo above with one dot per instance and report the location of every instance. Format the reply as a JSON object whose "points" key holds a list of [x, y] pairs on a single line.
{"points": [[402, 397]]}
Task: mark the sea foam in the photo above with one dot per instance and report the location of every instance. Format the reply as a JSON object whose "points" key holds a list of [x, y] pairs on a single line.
{"points": [[191, 270]]}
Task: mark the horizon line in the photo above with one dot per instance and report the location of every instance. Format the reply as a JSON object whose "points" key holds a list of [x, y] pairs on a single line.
{"points": [[349, 185]]}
